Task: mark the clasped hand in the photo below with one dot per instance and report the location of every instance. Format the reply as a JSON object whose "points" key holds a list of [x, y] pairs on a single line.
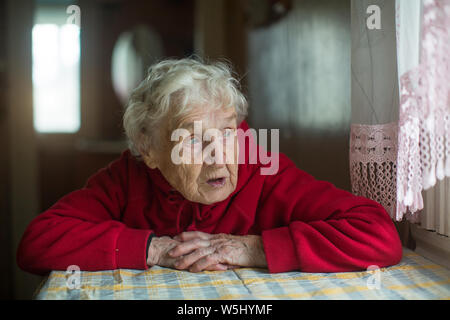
{"points": [[198, 251]]}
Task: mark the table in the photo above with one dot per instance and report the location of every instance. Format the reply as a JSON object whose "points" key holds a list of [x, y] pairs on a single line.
{"points": [[413, 278]]}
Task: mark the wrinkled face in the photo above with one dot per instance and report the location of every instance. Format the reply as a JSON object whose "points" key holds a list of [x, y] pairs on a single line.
{"points": [[199, 159]]}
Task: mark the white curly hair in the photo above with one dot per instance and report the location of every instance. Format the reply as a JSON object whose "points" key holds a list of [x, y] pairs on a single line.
{"points": [[178, 85]]}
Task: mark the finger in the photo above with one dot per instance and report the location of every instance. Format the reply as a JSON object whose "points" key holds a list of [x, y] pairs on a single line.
{"points": [[187, 247], [222, 236], [230, 267], [217, 267], [187, 260], [190, 235], [204, 263]]}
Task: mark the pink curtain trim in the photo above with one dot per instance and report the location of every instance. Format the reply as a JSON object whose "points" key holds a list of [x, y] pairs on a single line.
{"points": [[373, 158], [424, 117]]}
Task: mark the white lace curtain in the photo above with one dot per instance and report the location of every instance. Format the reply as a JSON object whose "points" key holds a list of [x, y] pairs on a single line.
{"points": [[400, 133]]}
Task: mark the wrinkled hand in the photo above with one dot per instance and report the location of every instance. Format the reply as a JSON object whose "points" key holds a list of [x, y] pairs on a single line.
{"points": [[158, 254], [198, 251]]}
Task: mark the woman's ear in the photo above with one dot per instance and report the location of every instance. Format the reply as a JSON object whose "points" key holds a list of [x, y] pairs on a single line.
{"points": [[147, 151]]}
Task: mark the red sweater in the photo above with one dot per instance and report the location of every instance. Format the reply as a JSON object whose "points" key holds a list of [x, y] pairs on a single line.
{"points": [[305, 224]]}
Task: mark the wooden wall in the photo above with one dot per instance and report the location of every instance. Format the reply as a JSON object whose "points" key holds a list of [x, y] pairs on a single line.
{"points": [[299, 82], [67, 160], [5, 221], [22, 185]]}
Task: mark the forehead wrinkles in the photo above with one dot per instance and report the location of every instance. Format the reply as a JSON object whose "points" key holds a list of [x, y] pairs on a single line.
{"points": [[187, 121], [209, 118]]}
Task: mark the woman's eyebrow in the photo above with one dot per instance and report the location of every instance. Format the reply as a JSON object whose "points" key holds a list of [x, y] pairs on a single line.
{"points": [[190, 124]]}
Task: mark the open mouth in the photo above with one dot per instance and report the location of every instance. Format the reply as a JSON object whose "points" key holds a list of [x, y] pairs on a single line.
{"points": [[216, 183]]}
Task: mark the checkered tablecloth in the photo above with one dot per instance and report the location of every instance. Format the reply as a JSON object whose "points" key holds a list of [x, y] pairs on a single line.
{"points": [[413, 278]]}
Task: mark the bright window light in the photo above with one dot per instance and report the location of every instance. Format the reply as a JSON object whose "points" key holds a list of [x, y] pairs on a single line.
{"points": [[56, 76]]}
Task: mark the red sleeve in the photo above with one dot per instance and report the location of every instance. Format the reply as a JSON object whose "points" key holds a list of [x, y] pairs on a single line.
{"points": [[322, 228], [84, 229]]}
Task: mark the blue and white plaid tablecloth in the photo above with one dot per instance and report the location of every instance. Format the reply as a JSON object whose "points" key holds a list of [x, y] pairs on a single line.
{"points": [[413, 278]]}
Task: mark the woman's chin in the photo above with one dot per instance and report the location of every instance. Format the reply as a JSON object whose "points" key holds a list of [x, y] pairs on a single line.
{"points": [[214, 195]]}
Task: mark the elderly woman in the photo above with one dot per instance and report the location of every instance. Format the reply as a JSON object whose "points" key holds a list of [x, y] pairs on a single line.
{"points": [[155, 205]]}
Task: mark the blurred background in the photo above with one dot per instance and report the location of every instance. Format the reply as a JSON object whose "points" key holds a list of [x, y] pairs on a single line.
{"points": [[67, 68]]}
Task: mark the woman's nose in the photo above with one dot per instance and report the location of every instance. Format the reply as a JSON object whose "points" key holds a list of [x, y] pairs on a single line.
{"points": [[214, 153]]}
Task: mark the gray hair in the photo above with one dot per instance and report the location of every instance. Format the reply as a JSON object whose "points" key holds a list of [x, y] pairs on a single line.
{"points": [[178, 85]]}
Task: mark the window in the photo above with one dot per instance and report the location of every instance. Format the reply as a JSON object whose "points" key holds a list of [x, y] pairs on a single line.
{"points": [[56, 71]]}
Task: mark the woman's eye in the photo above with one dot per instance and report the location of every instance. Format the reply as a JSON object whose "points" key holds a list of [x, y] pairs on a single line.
{"points": [[193, 140], [228, 133]]}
